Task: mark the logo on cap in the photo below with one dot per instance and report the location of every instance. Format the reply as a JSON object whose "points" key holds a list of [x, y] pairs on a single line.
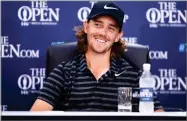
{"points": [[106, 7]]}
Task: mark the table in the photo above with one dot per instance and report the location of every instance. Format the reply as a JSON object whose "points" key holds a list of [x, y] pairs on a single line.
{"points": [[64, 116]]}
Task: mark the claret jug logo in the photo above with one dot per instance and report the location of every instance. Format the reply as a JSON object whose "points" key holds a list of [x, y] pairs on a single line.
{"points": [[168, 82], [31, 83], [167, 15], [38, 14]]}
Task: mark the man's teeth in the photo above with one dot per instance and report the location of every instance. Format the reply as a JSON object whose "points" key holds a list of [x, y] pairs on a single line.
{"points": [[100, 40]]}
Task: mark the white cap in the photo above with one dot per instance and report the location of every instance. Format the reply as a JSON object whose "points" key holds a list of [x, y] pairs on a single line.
{"points": [[146, 67]]}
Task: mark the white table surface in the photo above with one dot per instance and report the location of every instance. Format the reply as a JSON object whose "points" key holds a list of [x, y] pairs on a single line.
{"points": [[61, 113]]}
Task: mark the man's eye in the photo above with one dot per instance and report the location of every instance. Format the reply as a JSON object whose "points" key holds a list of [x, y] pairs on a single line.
{"points": [[112, 29], [97, 25]]}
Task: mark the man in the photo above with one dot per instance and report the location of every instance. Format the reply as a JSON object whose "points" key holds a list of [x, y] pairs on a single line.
{"points": [[89, 81]]}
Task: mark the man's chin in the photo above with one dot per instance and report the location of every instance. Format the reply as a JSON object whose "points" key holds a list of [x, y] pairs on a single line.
{"points": [[103, 51], [99, 50]]}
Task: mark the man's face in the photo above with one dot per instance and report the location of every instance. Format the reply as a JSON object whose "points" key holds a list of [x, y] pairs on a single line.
{"points": [[102, 32]]}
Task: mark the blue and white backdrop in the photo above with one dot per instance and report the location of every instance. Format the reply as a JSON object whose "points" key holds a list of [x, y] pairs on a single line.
{"points": [[29, 27]]}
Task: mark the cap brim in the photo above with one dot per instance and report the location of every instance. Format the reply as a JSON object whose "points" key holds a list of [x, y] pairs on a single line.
{"points": [[106, 13]]}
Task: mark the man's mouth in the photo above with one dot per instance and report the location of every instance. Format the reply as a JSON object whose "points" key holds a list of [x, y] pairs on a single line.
{"points": [[101, 41]]}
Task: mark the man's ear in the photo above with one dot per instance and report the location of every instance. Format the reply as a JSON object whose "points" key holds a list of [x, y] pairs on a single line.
{"points": [[119, 36], [85, 25]]}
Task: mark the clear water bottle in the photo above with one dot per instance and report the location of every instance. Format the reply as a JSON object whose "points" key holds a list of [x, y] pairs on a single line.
{"points": [[146, 84]]}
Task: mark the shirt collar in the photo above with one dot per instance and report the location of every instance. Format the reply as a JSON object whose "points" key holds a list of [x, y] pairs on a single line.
{"points": [[82, 65], [81, 62], [114, 67]]}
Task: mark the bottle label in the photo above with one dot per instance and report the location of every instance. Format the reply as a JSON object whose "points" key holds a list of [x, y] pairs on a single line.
{"points": [[146, 94]]}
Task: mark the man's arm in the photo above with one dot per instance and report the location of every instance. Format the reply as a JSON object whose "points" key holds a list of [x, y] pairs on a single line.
{"points": [[159, 110], [157, 106], [40, 105], [50, 93]]}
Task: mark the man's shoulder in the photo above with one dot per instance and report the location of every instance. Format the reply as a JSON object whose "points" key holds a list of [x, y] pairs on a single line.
{"points": [[128, 66], [127, 73], [71, 63]]}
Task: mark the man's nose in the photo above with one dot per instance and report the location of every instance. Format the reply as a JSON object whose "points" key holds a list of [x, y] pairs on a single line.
{"points": [[102, 32]]}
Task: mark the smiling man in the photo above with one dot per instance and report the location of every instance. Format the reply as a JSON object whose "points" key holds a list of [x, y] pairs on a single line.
{"points": [[89, 81]]}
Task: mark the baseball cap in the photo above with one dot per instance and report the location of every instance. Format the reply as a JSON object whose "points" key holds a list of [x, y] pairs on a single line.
{"points": [[107, 8]]}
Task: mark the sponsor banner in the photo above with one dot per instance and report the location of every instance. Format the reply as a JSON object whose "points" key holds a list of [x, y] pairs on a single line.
{"points": [[131, 40], [167, 82], [38, 13], [4, 107], [83, 13], [166, 14], [54, 43], [9, 50], [158, 55], [31, 83], [182, 47]]}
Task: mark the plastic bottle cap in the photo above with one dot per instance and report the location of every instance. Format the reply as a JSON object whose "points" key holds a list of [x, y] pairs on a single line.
{"points": [[146, 67]]}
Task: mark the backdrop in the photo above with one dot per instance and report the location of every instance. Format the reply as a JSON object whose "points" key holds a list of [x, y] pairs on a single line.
{"points": [[28, 28]]}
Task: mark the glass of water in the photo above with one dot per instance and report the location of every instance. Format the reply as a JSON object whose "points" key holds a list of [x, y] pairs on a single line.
{"points": [[124, 99]]}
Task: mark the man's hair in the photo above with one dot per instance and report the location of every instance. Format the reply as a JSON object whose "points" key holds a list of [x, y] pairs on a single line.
{"points": [[82, 44]]}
